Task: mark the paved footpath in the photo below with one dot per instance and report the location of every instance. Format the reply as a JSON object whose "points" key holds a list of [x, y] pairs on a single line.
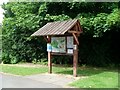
{"points": [[35, 81], [0, 81], [55, 79]]}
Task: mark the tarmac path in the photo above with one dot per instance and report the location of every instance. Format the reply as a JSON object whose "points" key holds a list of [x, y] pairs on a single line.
{"points": [[34, 81]]}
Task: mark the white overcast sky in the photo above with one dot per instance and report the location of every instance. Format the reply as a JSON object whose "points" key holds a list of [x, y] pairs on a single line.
{"points": [[1, 10]]}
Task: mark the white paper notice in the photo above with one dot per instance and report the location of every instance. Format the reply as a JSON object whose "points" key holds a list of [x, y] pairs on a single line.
{"points": [[70, 51]]}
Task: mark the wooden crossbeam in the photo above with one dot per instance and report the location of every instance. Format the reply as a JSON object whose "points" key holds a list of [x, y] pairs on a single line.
{"points": [[76, 39], [78, 32]]}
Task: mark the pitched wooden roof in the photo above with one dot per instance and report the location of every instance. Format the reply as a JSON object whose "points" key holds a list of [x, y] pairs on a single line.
{"points": [[56, 28]]}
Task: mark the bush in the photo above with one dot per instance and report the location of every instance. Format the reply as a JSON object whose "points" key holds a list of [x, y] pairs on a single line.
{"points": [[100, 24]]}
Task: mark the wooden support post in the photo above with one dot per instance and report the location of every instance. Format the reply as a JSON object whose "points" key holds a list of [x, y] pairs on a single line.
{"points": [[75, 58], [49, 63], [49, 58]]}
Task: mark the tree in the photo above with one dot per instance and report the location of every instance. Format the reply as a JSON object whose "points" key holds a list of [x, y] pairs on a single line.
{"points": [[98, 23]]}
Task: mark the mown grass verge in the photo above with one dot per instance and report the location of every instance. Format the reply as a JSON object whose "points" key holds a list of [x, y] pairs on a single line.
{"points": [[93, 77]]}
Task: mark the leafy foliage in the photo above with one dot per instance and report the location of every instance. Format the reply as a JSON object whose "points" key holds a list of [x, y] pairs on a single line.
{"points": [[98, 23]]}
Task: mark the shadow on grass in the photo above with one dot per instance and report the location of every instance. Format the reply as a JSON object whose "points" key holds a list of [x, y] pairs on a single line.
{"points": [[82, 72]]}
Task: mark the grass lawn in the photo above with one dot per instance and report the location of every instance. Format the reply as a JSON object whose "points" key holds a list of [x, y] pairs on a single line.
{"points": [[93, 77], [22, 70], [102, 80], [0, 45]]}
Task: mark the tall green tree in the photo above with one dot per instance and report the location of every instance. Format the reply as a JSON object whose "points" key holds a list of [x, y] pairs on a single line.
{"points": [[98, 20]]}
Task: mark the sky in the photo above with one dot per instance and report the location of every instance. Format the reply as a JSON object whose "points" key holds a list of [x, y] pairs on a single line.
{"points": [[1, 10]]}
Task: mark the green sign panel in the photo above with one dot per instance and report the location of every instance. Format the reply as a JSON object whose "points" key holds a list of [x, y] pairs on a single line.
{"points": [[58, 44], [61, 45]]}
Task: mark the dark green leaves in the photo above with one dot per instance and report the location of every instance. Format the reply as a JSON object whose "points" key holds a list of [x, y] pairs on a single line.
{"points": [[22, 19]]}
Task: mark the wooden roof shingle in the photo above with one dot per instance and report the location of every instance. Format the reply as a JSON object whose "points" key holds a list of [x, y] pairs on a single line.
{"points": [[55, 28]]}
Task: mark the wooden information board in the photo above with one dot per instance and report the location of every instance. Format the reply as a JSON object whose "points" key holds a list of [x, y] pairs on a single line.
{"points": [[61, 45]]}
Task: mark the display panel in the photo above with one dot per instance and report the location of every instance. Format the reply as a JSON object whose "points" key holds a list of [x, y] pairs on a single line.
{"points": [[69, 42], [58, 44], [61, 45]]}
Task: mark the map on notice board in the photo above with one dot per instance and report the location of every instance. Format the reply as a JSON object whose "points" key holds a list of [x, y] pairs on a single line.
{"points": [[58, 44]]}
